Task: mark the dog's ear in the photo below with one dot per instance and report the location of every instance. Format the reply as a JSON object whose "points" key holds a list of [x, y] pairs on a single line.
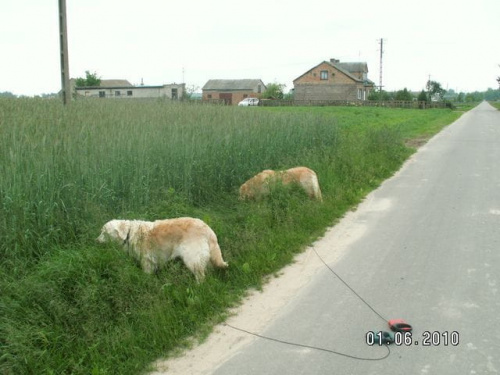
{"points": [[122, 229]]}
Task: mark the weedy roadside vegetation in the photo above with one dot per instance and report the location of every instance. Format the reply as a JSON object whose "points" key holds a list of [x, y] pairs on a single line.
{"points": [[495, 104], [69, 305]]}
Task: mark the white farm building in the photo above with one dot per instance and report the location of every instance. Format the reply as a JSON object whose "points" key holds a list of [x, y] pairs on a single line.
{"points": [[120, 88]]}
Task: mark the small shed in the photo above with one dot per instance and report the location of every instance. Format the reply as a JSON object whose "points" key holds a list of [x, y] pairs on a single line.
{"points": [[232, 91]]}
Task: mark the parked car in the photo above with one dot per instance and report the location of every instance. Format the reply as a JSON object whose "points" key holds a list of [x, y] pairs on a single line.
{"points": [[248, 102]]}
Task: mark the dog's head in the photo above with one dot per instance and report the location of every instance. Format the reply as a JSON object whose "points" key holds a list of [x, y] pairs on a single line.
{"points": [[257, 186], [114, 230]]}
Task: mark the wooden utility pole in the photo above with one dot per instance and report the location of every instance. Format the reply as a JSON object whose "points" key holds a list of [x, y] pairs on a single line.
{"points": [[63, 39]]}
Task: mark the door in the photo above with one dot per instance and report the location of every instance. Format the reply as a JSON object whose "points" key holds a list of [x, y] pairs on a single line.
{"points": [[227, 97]]}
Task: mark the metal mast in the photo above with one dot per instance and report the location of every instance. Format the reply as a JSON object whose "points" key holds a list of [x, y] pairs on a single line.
{"points": [[381, 54]]}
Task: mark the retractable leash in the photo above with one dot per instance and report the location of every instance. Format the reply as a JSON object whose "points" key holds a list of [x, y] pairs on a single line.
{"points": [[399, 325], [396, 325]]}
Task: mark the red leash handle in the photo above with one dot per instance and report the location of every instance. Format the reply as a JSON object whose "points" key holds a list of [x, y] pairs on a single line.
{"points": [[399, 325]]}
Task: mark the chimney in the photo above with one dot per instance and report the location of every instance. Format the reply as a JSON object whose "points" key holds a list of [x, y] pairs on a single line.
{"points": [[334, 61]]}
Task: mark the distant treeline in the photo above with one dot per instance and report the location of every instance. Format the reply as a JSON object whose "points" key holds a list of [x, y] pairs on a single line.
{"points": [[490, 95], [447, 95], [8, 94]]}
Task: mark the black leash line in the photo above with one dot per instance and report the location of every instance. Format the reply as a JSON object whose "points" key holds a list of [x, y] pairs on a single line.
{"points": [[319, 348], [309, 346], [351, 289]]}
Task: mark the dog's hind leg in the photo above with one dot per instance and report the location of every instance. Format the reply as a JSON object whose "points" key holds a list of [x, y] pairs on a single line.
{"points": [[311, 187], [195, 256], [216, 254]]}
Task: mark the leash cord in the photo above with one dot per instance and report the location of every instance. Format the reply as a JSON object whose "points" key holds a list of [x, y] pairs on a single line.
{"points": [[310, 347], [348, 286], [315, 347]]}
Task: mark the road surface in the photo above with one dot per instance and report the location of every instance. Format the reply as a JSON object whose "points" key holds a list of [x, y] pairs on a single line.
{"points": [[424, 247]]}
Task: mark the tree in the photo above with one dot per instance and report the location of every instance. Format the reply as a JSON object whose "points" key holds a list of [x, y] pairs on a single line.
{"points": [[436, 92], [274, 91], [498, 80], [403, 95], [422, 97], [91, 79], [492, 95], [7, 94], [474, 97], [379, 95], [189, 91]]}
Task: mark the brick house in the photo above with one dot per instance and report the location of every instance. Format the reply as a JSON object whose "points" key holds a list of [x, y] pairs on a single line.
{"points": [[333, 80], [232, 91], [121, 88]]}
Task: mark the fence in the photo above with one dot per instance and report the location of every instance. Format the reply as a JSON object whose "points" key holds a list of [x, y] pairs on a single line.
{"points": [[354, 103]]}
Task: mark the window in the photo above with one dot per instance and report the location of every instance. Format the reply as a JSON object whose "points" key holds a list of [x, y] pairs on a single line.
{"points": [[129, 93], [102, 94], [360, 91], [324, 75], [209, 96], [259, 89], [118, 93], [174, 94]]}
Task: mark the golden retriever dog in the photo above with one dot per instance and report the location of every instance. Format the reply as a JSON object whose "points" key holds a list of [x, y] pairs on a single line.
{"points": [[155, 243], [258, 186]]}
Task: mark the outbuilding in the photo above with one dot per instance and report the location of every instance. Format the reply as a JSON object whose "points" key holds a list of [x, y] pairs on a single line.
{"points": [[120, 88], [232, 91]]}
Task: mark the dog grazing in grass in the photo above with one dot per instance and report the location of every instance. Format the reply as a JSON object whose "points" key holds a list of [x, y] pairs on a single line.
{"points": [[155, 243], [258, 186]]}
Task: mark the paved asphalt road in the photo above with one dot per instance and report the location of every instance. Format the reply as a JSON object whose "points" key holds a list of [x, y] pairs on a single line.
{"points": [[430, 255]]}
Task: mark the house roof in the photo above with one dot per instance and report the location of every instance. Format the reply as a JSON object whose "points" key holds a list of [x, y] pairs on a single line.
{"points": [[106, 84], [115, 83], [353, 66], [346, 68], [233, 84]]}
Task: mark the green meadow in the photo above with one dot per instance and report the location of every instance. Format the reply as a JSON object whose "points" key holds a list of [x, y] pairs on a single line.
{"points": [[71, 306], [495, 104]]}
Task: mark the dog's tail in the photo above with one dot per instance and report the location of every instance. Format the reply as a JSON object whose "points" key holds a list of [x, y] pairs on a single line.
{"points": [[316, 189], [311, 185], [215, 253]]}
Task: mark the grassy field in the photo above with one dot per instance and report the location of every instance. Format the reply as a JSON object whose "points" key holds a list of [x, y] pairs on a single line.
{"points": [[69, 305], [495, 104]]}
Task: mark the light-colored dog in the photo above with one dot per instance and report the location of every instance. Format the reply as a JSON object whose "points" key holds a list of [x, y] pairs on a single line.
{"points": [[155, 243], [259, 185]]}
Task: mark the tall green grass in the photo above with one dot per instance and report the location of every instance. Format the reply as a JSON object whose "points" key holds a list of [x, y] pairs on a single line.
{"points": [[68, 305]]}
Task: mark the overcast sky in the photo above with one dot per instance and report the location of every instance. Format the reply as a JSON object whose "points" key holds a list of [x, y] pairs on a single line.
{"points": [[455, 42]]}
